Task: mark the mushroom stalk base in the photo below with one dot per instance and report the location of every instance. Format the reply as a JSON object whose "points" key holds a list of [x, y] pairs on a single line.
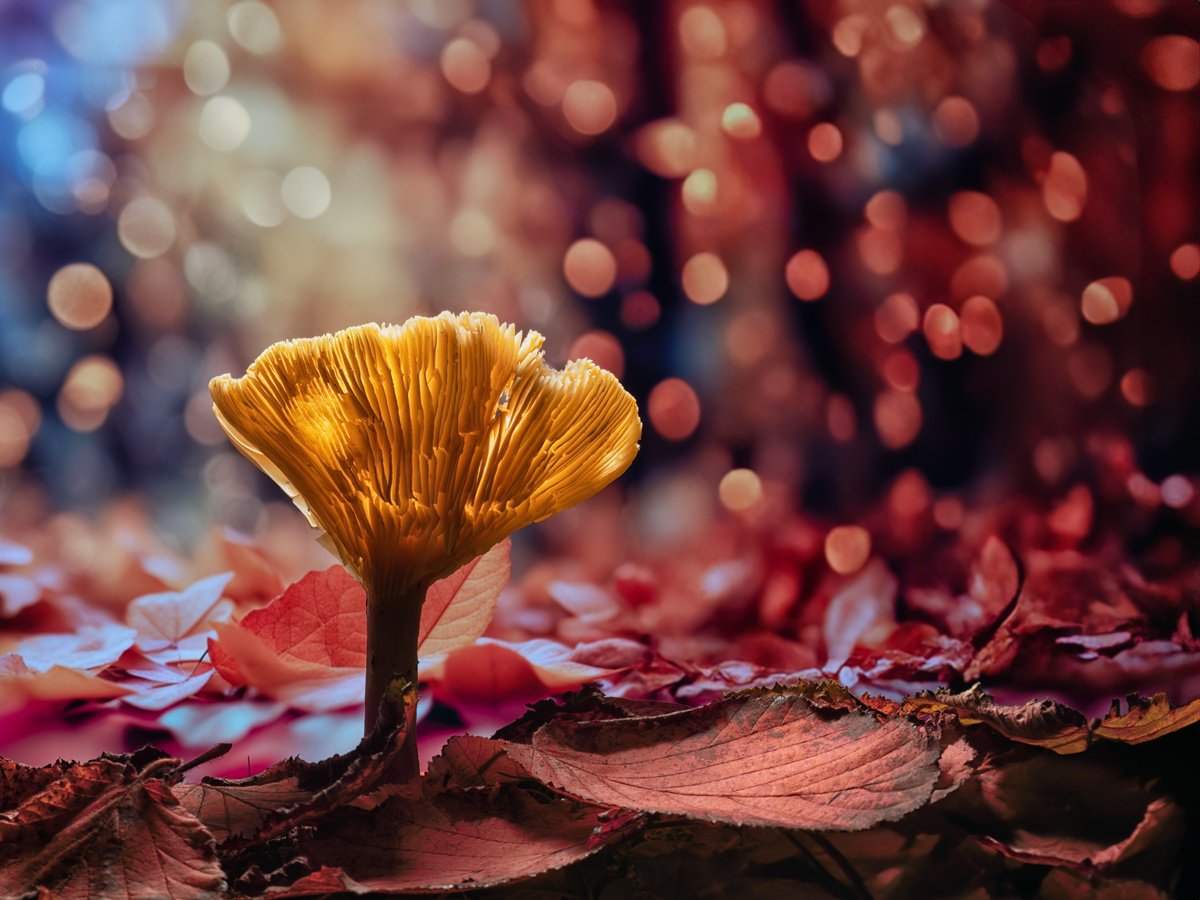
{"points": [[393, 626]]}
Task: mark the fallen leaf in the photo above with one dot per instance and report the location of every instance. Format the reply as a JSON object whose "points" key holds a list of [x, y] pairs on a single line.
{"points": [[229, 808], [459, 607], [20, 684], [1146, 720], [171, 625], [107, 829], [490, 671], [453, 841], [758, 758], [864, 604], [92, 647], [158, 695], [1042, 723]]}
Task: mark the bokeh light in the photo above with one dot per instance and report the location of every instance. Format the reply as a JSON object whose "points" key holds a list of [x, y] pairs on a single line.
{"points": [[807, 275], [590, 267], [674, 409], [705, 278], [847, 548], [740, 490], [79, 296]]}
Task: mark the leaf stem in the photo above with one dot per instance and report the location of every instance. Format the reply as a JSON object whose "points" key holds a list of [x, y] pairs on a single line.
{"points": [[393, 626]]}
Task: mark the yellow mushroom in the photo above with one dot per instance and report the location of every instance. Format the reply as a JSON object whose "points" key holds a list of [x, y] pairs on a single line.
{"points": [[415, 448]]}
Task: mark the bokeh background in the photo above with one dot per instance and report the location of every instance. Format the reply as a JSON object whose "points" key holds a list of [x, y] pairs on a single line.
{"points": [[844, 252]]}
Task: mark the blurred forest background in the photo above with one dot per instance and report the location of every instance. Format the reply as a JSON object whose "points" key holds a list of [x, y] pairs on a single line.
{"points": [[844, 252]]}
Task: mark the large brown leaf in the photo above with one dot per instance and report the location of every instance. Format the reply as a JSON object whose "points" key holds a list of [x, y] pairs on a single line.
{"points": [[105, 829], [457, 840], [757, 758]]}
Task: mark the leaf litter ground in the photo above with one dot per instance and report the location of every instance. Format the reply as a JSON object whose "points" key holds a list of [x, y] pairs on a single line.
{"points": [[754, 723]]}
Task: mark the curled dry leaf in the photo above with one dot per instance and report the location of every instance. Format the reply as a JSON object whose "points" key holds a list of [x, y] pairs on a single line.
{"points": [[758, 758], [107, 828]]}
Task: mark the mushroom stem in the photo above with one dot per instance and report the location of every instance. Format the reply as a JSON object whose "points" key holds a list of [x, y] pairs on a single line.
{"points": [[393, 625]]}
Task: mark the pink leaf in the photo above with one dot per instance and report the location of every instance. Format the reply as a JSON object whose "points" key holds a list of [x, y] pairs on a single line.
{"points": [[92, 647], [163, 620], [757, 758], [865, 603], [458, 608]]}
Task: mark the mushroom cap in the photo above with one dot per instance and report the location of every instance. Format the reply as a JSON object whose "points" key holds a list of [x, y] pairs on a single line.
{"points": [[416, 447]]}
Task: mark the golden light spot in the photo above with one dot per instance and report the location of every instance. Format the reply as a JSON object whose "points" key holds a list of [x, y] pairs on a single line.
{"points": [[807, 275], [840, 418], [955, 121], [472, 233], [975, 217], [146, 227], [205, 68], [825, 142], [900, 371], [1185, 261], [590, 268], [981, 324], [740, 121], [667, 148], [942, 332], [602, 348], [1064, 190], [674, 409], [254, 26], [700, 192], [92, 387], [848, 34], [705, 278], [20, 419], [590, 107], [897, 417], [465, 66], [886, 209], [897, 317], [702, 33], [1106, 300], [1137, 387], [79, 296], [1172, 61], [1177, 491], [639, 310], [847, 548], [224, 123], [740, 489], [906, 25], [306, 192]]}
